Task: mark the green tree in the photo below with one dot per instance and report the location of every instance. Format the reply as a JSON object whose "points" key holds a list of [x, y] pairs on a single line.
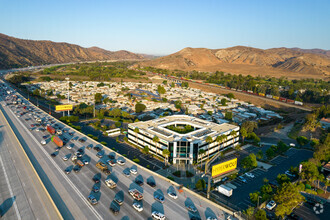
{"points": [[145, 150], [166, 154], [249, 212], [249, 162], [270, 153], [249, 126], [223, 102], [36, 92], [243, 134], [161, 90], [98, 98], [287, 198], [117, 124], [260, 215], [229, 116], [201, 152], [302, 140], [309, 171], [260, 154], [165, 82], [254, 197], [200, 185], [230, 95], [139, 107], [282, 178], [178, 104], [185, 84]]}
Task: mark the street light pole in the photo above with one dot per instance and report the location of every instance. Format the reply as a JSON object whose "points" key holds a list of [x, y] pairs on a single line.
{"points": [[258, 201], [68, 79]]}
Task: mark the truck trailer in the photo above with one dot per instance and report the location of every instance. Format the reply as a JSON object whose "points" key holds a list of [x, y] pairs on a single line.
{"points": [[50, 129], [225, 190], [57, 141]]}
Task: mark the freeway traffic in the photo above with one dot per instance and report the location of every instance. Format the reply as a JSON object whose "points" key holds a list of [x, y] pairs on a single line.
{"points": [[22, 195], [70, 190]]}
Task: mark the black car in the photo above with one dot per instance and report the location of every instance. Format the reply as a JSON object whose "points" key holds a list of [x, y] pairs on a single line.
{"points": [[151, 183], [53, 154], [76, 169], [114, 210], [97, 148], [100, 154], [45, 137], [81, 150], [65, 139], [90, 146], [71, 133], [82, 140], [96, 179], [67, 170], [118, 200], [139, 182], [106, 172], [96, 189], [111, 156]]}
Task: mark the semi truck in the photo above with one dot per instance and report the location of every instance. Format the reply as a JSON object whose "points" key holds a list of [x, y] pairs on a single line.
{"points": [[136, 194], [225, 190], [57, 141], [110, 183], [50, 129]]}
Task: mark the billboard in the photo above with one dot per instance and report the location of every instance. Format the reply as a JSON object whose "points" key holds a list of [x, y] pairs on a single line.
{"points": [[63, 107], [224, 167]]}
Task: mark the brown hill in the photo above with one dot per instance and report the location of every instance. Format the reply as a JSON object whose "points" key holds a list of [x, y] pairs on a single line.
{"points": [[16, 52], [247, 60]]}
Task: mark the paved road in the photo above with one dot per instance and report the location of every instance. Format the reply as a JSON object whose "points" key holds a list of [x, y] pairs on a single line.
{"points": [[22, 195], [70, 191]]}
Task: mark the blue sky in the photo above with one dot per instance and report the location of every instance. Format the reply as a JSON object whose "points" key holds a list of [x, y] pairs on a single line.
{"points": [[164, 26]]}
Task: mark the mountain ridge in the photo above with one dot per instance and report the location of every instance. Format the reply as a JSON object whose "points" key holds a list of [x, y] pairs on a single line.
{"points": [[293, 63], [15, 52]]}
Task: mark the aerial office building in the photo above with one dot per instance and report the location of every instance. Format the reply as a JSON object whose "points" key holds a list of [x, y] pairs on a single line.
{"points": [[188, 139]]}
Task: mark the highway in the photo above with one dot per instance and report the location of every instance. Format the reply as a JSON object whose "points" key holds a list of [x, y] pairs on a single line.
{"points": [[70, 191], [22, 195]]}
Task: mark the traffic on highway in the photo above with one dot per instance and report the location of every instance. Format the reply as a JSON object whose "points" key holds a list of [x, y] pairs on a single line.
{"points": [[102, 183]]}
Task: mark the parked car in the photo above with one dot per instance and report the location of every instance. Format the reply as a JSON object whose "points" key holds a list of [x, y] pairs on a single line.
{"points": [[249, 175], [121, 162], [271, 205], [242, 179]]}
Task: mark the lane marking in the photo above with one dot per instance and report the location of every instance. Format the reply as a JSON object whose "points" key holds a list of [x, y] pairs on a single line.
{"points": [[10, 190], [61, 171]]}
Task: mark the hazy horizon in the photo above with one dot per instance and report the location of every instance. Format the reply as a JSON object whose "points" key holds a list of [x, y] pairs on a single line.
{"points": [[161, 28]]}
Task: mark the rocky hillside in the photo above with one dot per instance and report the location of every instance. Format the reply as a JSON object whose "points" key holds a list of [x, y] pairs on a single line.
{"points": [[16, 52], [291, 63]]}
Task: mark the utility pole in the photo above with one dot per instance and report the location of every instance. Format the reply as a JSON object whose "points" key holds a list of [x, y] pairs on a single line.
{"points": [[94, 109]]}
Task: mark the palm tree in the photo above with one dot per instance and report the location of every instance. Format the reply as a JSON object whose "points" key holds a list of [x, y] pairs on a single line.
{"points": [[166, 153], [233, 133], [136, 130], [243, 134], [221, 139], [145, 150], [156, 140], [209, 140], [200, 152]]}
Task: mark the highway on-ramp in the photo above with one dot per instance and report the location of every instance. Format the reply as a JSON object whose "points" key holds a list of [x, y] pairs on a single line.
{"points": [[70, 191]]}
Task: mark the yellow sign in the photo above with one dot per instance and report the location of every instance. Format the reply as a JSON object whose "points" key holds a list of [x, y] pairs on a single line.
{"points": [[63, 107], [224, 167]]}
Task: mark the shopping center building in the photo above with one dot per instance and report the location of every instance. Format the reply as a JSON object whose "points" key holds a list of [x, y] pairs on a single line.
{"points": [[184, 136]]}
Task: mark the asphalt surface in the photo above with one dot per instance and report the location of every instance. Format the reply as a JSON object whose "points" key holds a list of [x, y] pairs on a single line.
{"points": [[240, 200], [22, 195], [70, 191]]}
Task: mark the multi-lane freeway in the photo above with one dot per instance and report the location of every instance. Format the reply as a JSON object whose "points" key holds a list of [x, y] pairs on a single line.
{"points": [[22, 194], [70, 191]]}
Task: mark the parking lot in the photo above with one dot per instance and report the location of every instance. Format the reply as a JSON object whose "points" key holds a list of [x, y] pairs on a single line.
{"points": [[240, 200]]}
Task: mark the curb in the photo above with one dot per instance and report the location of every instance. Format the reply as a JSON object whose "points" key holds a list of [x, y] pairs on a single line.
{"points": [[28, 159]]}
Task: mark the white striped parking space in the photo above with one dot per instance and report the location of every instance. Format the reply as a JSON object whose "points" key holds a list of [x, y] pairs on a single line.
{"points": [[291, 152], [278, 160]]}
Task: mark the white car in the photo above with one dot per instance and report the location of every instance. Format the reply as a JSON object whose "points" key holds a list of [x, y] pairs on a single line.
{"points": [[43, 142], [137, 207], [271, 205], [211, 218], [65, 158], [38, 129], [249, 175], [158, 215], [134, 171], [172, 195], [292, 145], [121, 162]]}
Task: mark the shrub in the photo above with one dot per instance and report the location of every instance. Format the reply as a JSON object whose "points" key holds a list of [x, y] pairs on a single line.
{"points": [[117, 124], [136, 160], [177, 173], [319, 191], [170, 178], [124, 155], [189, 174], [125, 139], [104, 143], [148, 166]]}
